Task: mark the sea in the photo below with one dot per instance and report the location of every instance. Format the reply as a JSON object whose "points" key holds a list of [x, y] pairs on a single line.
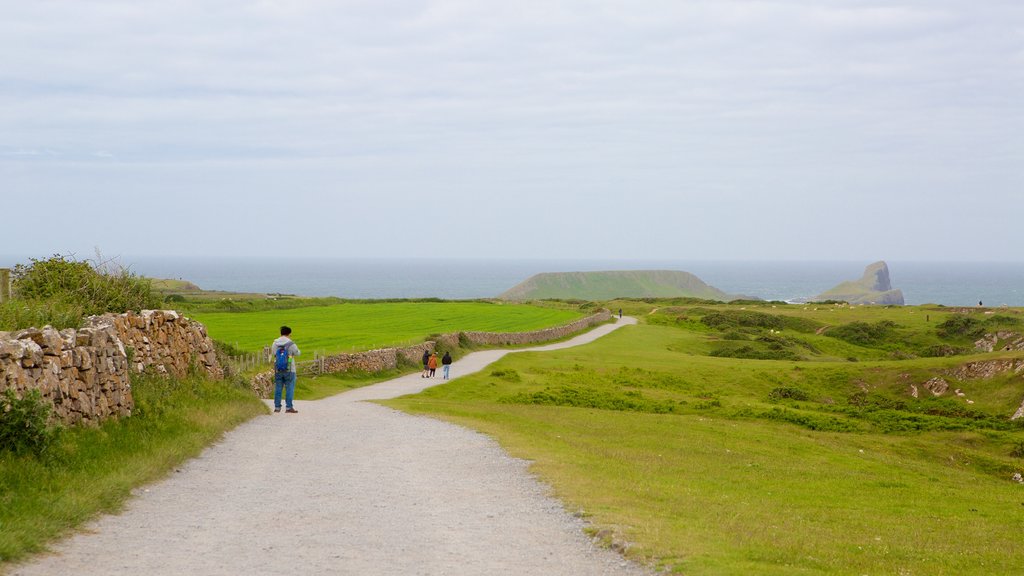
{"points": [[947, 283]]}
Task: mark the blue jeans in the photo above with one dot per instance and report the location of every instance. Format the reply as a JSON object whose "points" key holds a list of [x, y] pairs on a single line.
{"points": [[285, 380], [446, 367]]}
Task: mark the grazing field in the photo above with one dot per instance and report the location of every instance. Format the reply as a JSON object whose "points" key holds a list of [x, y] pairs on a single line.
{"points": [[351, 326], [773, 439]]}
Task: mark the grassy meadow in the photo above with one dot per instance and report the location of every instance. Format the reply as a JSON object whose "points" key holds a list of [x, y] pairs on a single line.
{"points": [[347, 326], [771, 438]]}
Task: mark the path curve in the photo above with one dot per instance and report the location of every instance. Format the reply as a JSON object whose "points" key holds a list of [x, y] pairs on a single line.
{"points": [[345, 487]]}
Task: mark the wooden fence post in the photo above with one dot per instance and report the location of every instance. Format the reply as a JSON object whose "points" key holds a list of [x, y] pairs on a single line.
{"points": [[5, 284]]}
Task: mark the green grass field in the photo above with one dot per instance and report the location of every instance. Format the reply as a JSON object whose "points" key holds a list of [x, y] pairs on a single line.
{"points": [[363, 326], [819, 463]]}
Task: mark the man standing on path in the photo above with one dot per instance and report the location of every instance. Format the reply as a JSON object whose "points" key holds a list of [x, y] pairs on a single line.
{"points": [[446, 361], [284, 351]]}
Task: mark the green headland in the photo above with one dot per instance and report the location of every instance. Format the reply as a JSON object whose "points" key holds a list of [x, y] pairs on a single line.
{"points": [[614, 284]]}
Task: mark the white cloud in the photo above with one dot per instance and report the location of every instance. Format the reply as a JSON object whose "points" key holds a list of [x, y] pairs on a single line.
{"points": [[710, 109]]}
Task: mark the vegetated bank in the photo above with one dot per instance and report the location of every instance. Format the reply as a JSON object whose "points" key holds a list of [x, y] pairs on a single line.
{"points": [[776, 439], [54, 478]]}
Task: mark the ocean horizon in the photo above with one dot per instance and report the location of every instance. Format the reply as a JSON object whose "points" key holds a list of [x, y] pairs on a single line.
{"points": [[947, 283]]}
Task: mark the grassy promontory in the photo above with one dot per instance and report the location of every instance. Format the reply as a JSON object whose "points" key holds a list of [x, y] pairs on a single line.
{"points": [[614, 284]]}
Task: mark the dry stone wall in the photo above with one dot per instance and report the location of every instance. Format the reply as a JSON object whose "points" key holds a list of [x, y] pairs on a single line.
{"points": [[515, 338], [164, 341], [85, 374], [388, 358], [82, 373]]}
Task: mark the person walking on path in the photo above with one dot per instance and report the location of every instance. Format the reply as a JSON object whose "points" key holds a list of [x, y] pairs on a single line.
{"points": [[446, 361], [432, 363], [426, 362], [284, 351]]}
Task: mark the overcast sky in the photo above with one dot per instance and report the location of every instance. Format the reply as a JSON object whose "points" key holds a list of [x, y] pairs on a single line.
{"points": [[719, 129]]}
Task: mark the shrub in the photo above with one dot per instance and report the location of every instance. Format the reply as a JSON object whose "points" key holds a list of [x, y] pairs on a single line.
{"points": [[24, 423], [942, 350], [788, 392], [863, 333], [751, 352], [961, 325], [1018, 450], [508, 375], [734, 318], [80, 284]]}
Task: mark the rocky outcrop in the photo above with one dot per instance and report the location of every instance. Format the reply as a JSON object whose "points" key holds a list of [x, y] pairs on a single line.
{"points": [[85, 373], [1002, 340], [874, 287], [985, 369]]}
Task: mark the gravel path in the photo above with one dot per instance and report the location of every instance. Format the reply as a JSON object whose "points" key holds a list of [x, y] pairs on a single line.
{"points": [[345, 487]]}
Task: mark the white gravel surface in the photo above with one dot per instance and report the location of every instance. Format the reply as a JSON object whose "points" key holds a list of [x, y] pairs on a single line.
{"points": [[344, 487]]}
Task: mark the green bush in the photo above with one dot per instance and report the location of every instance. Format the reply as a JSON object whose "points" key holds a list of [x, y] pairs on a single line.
{"points": [[863, 333], [24, 423], [961, 326], [753, 352], [507, 375], [74, 283], [788, 392], [942, 350], [734, 318]]}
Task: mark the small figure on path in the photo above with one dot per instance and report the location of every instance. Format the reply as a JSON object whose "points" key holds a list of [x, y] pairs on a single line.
{"points": [[979, 303], [284, 351], [446, 361], [432, 364], [426, 360], [620, 313]]}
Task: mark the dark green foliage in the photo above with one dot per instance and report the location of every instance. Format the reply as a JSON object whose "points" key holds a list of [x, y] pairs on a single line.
{"points": [[582, 397], [754, 351], [641, 378], [863, 333], [961, 326], [788, 392], [942, 350], [818, 422], [727, 319], [508, 375], [897, 415], [67, 284], [732, 319], [24, 423], [1018, 450], [1003, 320], [174, 298]]}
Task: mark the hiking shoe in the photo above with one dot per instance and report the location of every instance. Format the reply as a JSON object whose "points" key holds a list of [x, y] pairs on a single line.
{"points": [[277, 409], [291, 410]]}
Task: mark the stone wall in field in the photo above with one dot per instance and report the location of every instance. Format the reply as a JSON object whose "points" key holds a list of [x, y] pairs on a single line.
{"points": [[547, 334], [388, 358], [84, 373]]}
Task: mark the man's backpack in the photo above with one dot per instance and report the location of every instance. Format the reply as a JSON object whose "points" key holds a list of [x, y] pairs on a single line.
{"points": [[281, 359]]}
